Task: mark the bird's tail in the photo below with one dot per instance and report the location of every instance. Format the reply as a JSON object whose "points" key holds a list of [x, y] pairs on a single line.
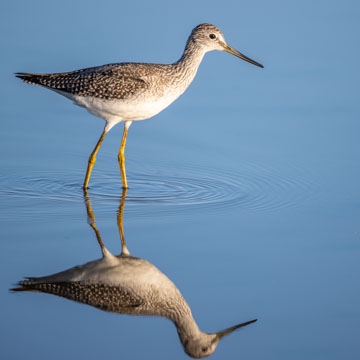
{"points": [[30, 284], [34, 79]]}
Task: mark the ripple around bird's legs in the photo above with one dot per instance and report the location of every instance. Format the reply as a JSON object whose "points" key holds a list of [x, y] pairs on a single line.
{"points": [[170, 188]]}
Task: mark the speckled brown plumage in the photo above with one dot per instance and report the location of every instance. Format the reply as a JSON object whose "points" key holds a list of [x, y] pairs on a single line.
{"points": [[104, 297], [113, 81]]}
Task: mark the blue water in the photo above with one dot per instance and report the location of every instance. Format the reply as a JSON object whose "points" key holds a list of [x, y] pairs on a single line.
{"points": [[245, 192]]}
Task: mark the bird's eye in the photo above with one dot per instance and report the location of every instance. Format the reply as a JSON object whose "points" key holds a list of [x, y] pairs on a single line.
{"points": [[212, 36], [204, 349]]}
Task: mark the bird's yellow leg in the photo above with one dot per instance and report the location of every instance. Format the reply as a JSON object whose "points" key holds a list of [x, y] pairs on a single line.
{"points": [[120, 216], [92, 159], [121, 156], [91, 220]]}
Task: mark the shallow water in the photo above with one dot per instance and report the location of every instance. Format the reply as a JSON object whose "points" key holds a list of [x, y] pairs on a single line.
{"points": [[249, 204], [167, 188], [241, 238]]}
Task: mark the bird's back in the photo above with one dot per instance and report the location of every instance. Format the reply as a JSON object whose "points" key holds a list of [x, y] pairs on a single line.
{"points": [[119, 81]]}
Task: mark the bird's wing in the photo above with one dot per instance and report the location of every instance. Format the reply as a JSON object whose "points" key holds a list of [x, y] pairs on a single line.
{"points": [[113, 81], [101, 296]]}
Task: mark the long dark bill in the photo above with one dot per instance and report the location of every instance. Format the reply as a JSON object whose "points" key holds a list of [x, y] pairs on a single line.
{"points": [[228, 331], [232, 51]]}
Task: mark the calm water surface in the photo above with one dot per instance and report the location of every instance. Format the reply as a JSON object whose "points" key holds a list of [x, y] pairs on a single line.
{"points": [[242, 236], [250, 205]]}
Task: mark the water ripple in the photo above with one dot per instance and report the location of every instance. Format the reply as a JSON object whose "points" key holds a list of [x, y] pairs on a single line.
{"points": [[168, 189]]}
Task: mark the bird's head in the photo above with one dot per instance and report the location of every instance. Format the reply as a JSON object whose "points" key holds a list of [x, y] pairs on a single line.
{"points": [[204, 344], [210, 37]]}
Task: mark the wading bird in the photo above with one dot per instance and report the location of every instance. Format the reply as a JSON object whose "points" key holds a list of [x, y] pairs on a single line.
{"points": [[127, 92]]}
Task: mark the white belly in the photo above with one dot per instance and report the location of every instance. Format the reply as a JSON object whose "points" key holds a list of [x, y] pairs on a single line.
{"points": [[115, 111]]}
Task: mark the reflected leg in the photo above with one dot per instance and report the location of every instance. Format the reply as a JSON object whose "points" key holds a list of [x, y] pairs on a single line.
{"points": [[120, 215], [91, 221], [92, 159]]}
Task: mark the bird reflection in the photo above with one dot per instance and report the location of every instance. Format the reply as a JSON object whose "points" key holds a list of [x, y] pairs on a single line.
{"points": [[128, 285]]}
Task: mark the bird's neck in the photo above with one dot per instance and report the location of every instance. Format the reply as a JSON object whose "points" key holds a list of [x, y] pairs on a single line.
{"points": [[190, 60], [192, 55], [187, 329], [185, 324]]}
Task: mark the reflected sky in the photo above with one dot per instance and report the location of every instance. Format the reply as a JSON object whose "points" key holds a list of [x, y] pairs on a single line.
{"points": [[244, 192]]}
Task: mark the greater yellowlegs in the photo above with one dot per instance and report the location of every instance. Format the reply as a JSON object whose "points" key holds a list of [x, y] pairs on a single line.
{"points": [[127, 92], [129, 285]]}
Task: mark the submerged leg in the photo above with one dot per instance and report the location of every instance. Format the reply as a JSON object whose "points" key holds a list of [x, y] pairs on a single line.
{"points": [[92, 159], [121, 156]]}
